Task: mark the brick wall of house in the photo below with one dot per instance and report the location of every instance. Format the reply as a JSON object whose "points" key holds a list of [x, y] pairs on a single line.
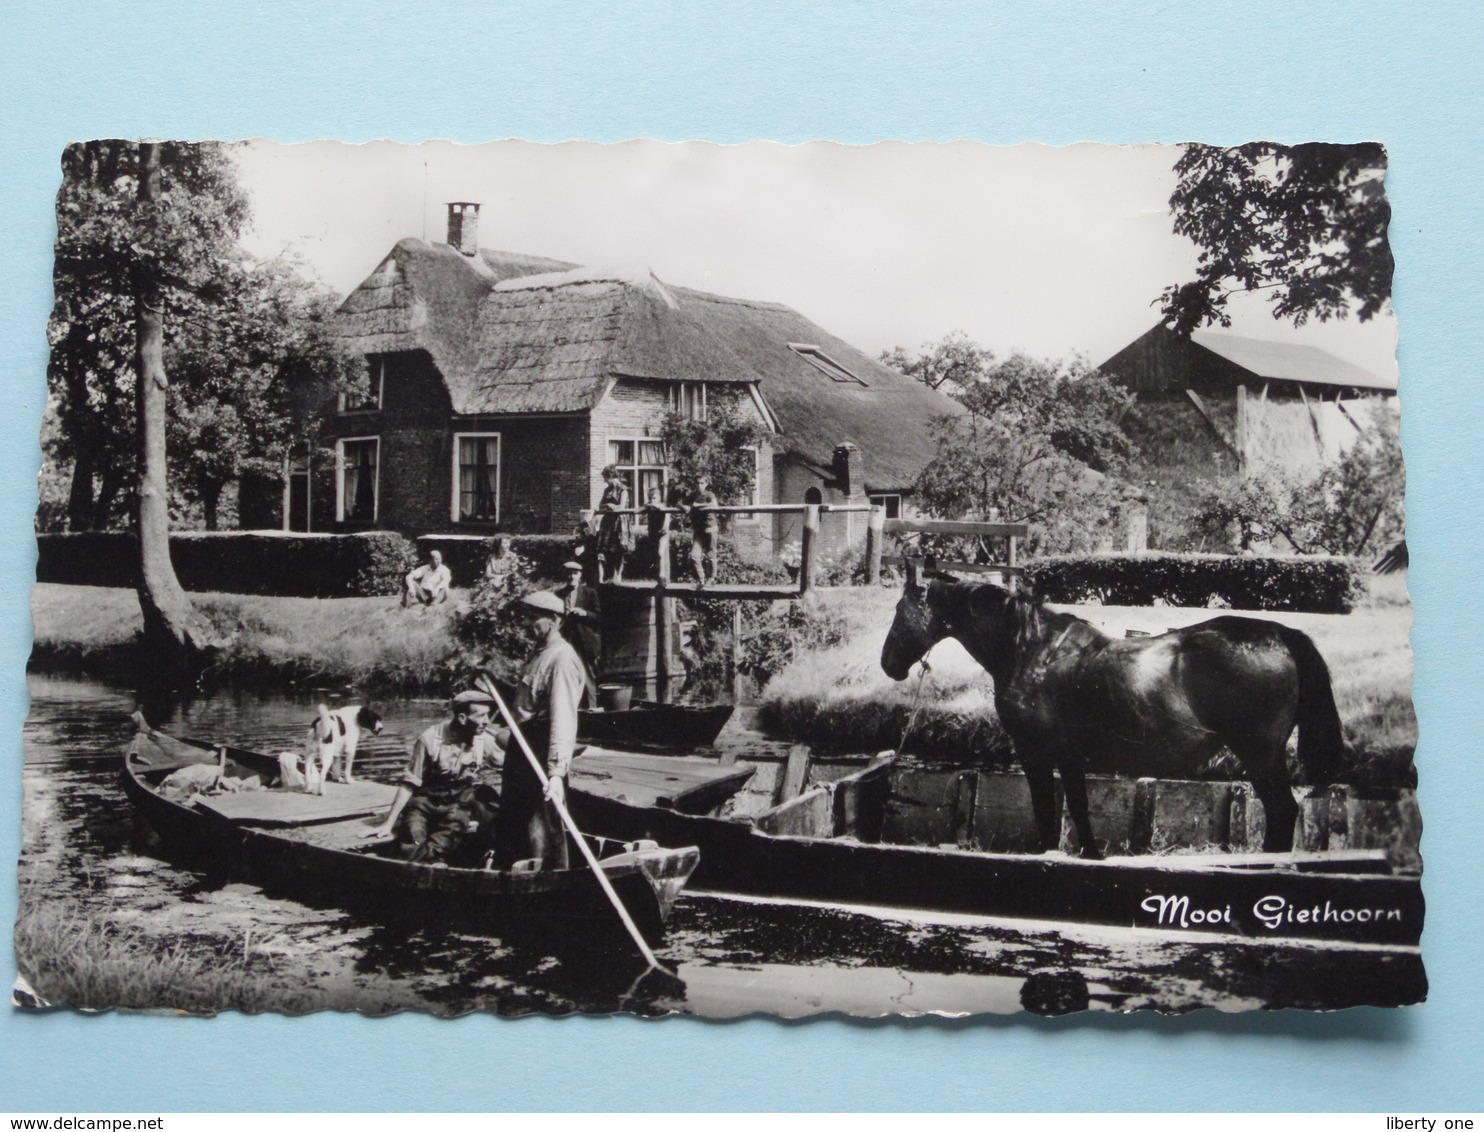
{"points": [[635, 409], [542, 459], [838, 532]]}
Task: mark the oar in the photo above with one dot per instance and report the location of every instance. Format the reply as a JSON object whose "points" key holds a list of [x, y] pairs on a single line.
{"points": [[587, 852]]}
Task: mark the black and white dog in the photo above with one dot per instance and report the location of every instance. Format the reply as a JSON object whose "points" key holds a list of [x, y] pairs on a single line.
{"points": [[330, 747]]}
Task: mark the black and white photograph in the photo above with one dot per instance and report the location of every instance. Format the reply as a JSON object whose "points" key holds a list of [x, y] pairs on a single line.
{"points": [[675, 578]]}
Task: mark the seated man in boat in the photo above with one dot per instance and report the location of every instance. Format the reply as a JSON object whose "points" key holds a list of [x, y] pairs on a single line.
{"points": [[428, 583], [448, 799], [551, 687]]}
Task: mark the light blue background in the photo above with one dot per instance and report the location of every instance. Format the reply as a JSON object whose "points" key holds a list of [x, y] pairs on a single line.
{"points": [[1407, 74]]}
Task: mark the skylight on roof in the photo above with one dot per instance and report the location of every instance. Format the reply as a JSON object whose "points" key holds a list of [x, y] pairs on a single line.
{"points": [[823, 362]]}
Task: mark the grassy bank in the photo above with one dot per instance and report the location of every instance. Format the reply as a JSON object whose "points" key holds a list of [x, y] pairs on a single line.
{"points": [[368, 642], [840, 697]]}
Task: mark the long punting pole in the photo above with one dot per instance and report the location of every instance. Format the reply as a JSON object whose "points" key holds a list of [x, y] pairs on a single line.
{"points": [[592, 860]]}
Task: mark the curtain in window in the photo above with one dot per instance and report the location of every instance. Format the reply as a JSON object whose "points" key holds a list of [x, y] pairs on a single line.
{"points": [[479, 478], [359, 487]]}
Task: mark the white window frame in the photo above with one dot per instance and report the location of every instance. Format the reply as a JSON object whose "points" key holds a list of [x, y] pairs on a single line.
{"points": [[453, 507], [826, 365], [636, 468], [340, 478], [697, 397], [378, 377], [879, 500], [757, 489]]}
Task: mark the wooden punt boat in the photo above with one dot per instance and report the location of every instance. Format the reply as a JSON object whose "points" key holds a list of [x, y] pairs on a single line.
{"points": [[314, 847], [825, 845], [657, 725]]}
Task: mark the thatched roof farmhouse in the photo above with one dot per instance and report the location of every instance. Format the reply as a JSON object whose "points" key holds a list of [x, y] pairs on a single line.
{"points": [[503, 383]]}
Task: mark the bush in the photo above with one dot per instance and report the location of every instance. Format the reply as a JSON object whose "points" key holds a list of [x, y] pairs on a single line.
{"points": [[243, 562], [1289, 584]]}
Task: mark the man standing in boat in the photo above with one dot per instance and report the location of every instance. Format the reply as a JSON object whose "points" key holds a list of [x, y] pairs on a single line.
{"points": [[448, 798], [546, 703]]}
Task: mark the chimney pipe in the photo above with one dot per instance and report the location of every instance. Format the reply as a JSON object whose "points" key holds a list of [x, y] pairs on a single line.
{"points": [[463, 226], [850, 476]]}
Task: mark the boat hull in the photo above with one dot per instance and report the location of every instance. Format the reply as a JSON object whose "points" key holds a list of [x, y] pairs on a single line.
{"points": [[327, 864], [1352, 897]]}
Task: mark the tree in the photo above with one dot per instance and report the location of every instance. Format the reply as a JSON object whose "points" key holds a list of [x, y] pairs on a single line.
{"points": [[111, 240], [723, 448], [1351, 507], [247, 378], [950, 365], [1040, 444], [1306, 223], [173, 631]]}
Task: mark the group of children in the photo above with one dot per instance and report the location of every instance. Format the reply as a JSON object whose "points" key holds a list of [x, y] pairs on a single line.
{"points": [[614, 544]]}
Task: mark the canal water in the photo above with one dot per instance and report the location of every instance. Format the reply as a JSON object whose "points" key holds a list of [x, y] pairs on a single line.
{"points": [[86, 873]]}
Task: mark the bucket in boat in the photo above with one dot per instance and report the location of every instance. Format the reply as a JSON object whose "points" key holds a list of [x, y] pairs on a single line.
{"points": [[615, 697]]}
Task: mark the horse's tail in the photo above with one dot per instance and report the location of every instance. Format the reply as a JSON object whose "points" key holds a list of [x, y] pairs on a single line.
{"points": [[1321, 743]]}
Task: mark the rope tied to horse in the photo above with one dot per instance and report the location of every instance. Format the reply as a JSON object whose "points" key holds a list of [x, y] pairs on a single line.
{"points": [[916, 706]]}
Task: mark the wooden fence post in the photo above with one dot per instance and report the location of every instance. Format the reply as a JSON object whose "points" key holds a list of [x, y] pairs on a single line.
{"points": [[663, 618], [875, 536], [809, 548], [736, 652]]}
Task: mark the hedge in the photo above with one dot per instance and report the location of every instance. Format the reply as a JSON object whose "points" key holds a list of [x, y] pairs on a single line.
{"points": [[243, 562], [1308, 584], [465, 555]]}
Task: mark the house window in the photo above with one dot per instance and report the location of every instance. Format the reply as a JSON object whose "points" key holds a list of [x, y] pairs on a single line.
{"points": [[892, 503], [476, 477], [357, 460], [688, 398], [642, 464], [824, 363], [369, 401]]}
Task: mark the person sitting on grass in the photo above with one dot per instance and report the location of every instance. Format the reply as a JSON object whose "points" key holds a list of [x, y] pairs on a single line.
{"points": [[501, 566], [427, 584], [449, 796]]}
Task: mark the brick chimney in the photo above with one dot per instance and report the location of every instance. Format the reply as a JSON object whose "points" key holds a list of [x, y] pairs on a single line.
{"points": [[850, 475], [463, 226]]}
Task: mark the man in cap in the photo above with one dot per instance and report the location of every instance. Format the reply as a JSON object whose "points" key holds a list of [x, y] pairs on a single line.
{"points": [[450, 788], [580, 625], [546, 703]]}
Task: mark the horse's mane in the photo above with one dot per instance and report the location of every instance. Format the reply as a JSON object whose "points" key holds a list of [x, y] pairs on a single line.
{"points": [[1030, 621]]}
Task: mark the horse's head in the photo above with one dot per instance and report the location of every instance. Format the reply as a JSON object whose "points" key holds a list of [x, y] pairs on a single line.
{"points": [[919, 623], [990, 621]]}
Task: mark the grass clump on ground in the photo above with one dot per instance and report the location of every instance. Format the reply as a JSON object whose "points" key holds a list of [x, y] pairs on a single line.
{"points": [[369, 642], [90, 962]]}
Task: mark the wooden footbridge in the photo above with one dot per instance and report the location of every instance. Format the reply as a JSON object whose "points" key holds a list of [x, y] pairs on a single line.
{"points": [[641, 644]]}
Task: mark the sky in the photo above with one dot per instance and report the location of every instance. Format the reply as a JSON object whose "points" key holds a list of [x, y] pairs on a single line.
{"points": [[1056, 251]]}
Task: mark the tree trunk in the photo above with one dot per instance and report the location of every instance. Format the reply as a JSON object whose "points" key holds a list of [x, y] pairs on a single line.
{"points": [[174, 635], [211, 497]]}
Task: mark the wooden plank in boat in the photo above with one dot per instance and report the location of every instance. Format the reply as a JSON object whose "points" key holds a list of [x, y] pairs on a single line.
{"points": [[282, 807], [668, 781]]}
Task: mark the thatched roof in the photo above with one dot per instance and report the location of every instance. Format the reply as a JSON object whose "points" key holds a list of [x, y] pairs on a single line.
{"points": [[514, 334]]}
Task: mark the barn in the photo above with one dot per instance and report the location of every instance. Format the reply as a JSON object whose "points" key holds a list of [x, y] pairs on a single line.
{"points": [[1249, 402], [502, 384]]}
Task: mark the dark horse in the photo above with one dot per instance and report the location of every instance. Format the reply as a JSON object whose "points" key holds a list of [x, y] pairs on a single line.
{"points": [[1073, 699]]}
